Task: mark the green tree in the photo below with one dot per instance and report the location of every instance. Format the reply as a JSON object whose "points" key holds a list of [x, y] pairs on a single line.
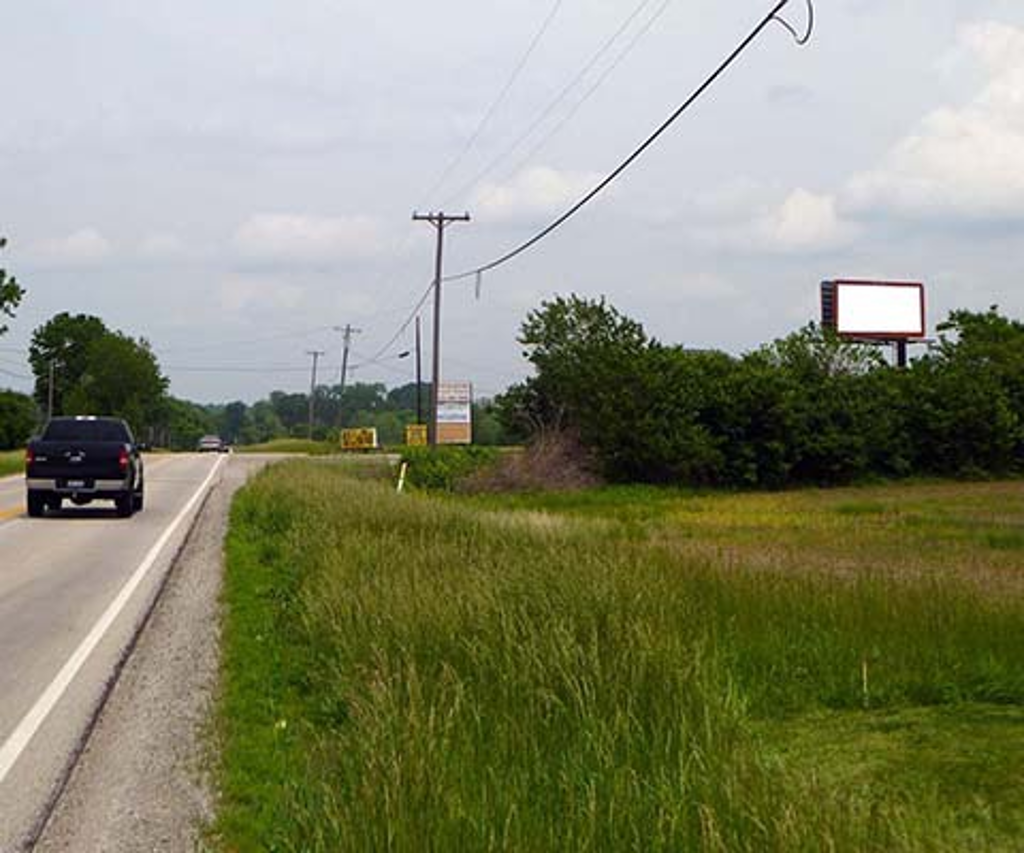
{"points": [[121, 377], [581, 351], [233, 421], [830, 405], [18, 418], [965, 404], [487, 428], [262, 424], [186, 423], [11, 293], [986, 342], [404, 397], [62, 342], [361, 399], [291, 409]]}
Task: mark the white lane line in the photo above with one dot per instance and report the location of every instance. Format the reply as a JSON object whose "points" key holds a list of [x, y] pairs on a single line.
{"points": [[29, 725]]}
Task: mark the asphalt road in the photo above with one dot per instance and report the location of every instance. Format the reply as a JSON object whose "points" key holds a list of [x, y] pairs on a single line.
{"points": [[73, 589]]}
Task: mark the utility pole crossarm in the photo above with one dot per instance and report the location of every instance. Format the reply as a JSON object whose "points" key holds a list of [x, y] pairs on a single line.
{"points": [[440, 221]]}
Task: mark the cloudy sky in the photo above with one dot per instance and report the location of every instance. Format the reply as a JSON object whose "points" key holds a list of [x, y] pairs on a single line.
{"points": [[233, 180]]}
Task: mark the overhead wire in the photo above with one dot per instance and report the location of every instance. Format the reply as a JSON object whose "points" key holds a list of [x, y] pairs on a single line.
{"points": [[406, 323], [301, 333], [773, 15], [588, 66], [14, 375], [551, 106], [385, 280], [592, 90], [233, 369], [495, 104]]}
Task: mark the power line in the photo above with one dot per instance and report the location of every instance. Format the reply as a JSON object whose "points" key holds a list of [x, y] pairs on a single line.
{"points": [[300, 333], [625, 164], [589, 93], [232, 369], [405, 324], [594, 59], [543, 116], [552, 105], [15, 375], [387, 368], [386, 279], [495, 104]]}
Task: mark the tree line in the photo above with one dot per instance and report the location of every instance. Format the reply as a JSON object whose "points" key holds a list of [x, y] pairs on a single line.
{"points": [[810, 408], [82, 366]]}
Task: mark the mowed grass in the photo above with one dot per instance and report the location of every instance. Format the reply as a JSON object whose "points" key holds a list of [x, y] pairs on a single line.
{"points": [[621, 670], [11, 462]]}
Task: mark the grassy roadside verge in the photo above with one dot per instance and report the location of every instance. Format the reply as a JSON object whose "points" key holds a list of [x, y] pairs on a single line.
{"points": [[11, 462], [734, 673]]}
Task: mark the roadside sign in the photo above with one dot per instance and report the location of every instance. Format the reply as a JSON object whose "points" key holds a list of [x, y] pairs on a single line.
{"points": [[416, 435], [454, 413], [363, 438]]}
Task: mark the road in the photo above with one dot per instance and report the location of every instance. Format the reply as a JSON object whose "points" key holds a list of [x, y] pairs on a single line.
{"points": [[73, 589]]}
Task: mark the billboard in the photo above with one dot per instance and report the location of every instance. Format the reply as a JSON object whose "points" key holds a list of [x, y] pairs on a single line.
{"points": [[363, 438], [454, 413], [888, 310]]}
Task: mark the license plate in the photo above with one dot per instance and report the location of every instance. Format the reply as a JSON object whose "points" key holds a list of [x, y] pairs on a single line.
{"points": [[76, 484]]}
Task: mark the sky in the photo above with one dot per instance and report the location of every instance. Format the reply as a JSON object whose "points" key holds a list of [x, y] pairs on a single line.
{"points": [[235, 182]]}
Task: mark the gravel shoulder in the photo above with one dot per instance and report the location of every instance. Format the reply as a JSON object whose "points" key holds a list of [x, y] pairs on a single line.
{"points": [[141, 782]]}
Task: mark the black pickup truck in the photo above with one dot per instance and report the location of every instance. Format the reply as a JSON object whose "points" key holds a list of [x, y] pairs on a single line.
{"points": [[84, 459]]}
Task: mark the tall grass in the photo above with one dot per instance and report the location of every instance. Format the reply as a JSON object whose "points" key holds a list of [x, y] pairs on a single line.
{"points": [[406, 673]]}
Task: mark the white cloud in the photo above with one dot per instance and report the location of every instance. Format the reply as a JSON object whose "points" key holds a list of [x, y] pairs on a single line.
{"points": [[804, 222], [83, 247], [965, 161], [307, 239], [538, 191], [740, 219]]}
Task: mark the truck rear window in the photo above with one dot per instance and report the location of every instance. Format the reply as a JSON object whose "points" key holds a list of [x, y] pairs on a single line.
{"points": [[73, 430]]}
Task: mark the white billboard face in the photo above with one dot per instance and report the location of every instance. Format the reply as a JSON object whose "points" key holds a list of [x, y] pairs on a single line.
{"points": [[875, 309]]}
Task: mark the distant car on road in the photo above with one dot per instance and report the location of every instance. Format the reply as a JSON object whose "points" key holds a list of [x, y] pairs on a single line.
{"points": [[211, 444], [83, 459]]}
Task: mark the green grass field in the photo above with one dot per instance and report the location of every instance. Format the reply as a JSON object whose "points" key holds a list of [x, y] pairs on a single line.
{"points": [[627, 669], [291, 445], [12, 462]]}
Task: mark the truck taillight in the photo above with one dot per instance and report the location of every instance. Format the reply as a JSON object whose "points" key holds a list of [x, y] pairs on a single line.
{"points": [[122, 460], [30, 456]]}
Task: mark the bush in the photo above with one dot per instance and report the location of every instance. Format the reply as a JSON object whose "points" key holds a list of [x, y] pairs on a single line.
{"points": [[442, 468], [810, 408], [553, 461]]}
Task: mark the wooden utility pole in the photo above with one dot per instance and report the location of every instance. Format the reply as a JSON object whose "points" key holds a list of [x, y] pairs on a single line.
{"points": [[315, 353], [440, 221], [348, 331], [419, 376]]}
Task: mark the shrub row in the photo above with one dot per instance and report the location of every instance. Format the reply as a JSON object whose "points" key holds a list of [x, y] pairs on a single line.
{"points": [[807, 409]]}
